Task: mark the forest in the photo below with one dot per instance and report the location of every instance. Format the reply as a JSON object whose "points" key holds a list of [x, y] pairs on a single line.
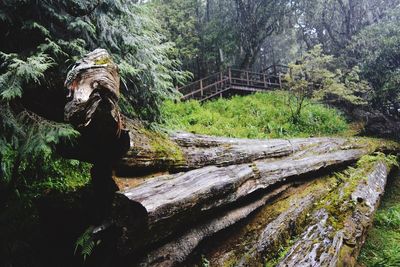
{"points": [[78, 178]]}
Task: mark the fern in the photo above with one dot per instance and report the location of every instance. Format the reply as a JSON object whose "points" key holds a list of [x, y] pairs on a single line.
{"points": [[20, 72], [86, 243]]}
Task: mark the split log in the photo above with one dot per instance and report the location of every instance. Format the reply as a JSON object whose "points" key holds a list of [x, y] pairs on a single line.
{"points": [[177, 250], [321, 223], [152, 152], [333, 241], [177, 191], [176, 200]]}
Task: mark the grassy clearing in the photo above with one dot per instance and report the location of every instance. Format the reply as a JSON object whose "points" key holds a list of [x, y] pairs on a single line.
{"points": [[261, 115], [382, 247]]}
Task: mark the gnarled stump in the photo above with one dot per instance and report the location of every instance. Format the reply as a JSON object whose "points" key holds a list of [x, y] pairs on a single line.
{"points": [[93, 110]]}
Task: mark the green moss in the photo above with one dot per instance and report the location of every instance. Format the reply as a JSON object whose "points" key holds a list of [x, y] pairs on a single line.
{"points": [[338, 203], [281, 253], [282, 246], [377, 144], [103, 60], [163, 147]]}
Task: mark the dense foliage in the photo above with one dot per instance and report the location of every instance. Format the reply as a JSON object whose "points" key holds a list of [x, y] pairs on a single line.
{"points": [[221, 33], [33, 71], [376, 50], [41, 40], [65, 29], [262, 115]]}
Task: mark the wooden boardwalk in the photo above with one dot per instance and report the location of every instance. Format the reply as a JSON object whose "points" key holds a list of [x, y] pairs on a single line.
{"points": [[234, 81]]}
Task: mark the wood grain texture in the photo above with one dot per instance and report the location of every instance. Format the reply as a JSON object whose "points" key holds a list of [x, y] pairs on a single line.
{"points": [[323, 244]]}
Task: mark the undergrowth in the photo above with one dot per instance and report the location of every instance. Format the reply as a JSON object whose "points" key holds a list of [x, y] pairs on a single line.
{"points": [[261, 115], [20, 233]]}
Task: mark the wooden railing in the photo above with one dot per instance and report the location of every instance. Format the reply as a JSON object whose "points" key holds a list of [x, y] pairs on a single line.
{"points": [[235, 79]]}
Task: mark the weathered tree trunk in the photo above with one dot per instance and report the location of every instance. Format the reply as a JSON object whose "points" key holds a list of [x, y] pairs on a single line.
{"points": [[93, 109], [335, 237], [177, 193], [193, 201]]}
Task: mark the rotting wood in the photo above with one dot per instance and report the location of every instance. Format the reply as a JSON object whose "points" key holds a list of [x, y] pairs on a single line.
{"points": [[283, 217], [177, 250], [304, 225], [93, 110], [151, 152], [326, 244], [171, 201]]}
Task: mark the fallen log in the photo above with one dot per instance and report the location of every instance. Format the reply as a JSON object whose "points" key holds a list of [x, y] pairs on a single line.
{"points": [[176, 200], [176, 251], [320, 223], [336, 236], [152, 152], [177, 191]]}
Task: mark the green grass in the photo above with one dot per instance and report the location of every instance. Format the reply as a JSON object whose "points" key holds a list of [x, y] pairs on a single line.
{"points": [[261, 115], [382, 247]]}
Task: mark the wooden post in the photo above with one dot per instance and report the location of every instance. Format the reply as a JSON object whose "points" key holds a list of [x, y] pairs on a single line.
{"points": [[247, 78], [201, 87], [221, 76], [265, 84], [230, 75], [280, 80]]}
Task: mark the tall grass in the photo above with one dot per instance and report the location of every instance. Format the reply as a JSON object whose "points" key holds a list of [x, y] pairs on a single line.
{"points": [[261, 115]]}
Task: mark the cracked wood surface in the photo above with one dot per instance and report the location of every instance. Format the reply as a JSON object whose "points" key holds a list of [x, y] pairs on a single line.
{"points": [[323, 244], [170, 201]]}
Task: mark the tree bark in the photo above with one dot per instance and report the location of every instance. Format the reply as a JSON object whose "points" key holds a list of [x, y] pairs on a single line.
{"points": [[324, 244], [239, 171]]}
